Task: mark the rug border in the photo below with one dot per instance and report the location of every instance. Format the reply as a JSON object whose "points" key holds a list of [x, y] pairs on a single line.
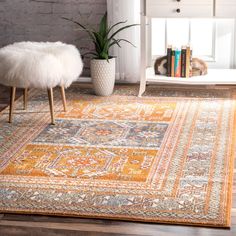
{"points": [[231, 163]]}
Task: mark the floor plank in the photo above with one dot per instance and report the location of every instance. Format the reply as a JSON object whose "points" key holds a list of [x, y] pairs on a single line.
{"points": [[23, 231], [119, 228]]}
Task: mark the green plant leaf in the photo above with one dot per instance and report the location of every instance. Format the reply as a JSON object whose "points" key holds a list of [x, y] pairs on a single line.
{"points": [[117, 42], [113, 26], [103, 26], [106, 48], [91, 33], [104, 55], [121, 29], [82, 26], [101, 38]]}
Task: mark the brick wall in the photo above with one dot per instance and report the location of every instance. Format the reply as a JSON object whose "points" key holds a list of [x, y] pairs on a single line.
{"points": [[40, 20]]}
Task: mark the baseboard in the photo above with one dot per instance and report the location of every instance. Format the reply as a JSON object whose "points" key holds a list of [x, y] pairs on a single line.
{"points": [[84, 79]]}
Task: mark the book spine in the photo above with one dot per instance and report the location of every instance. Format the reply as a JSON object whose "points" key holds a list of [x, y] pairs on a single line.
{"points": [[183, 62], [177, 63], [173, 63], [188, 58], [169, 61], [191, 62]]}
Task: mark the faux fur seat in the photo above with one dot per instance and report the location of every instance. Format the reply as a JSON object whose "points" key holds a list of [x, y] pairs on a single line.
{"points": [[43, 65]]}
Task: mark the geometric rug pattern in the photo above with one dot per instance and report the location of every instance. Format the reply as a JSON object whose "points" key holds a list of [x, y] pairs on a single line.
{"points": [[163, 158]]}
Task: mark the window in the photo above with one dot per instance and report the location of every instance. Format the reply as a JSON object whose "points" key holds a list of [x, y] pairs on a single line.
{"points": [[199, 33], [212, 40]]}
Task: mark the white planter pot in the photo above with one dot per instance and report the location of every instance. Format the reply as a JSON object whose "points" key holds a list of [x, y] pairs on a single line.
{"points": [[103, 76]]}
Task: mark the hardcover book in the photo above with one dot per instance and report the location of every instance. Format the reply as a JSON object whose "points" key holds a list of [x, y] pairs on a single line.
{"points": [[173, 63], [169, 60], [191, 62], [188, 58], [177, 63], [183, 62]]}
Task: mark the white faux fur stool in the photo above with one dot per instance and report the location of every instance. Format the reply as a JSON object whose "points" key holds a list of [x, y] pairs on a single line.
{"points": [[43, 65]]}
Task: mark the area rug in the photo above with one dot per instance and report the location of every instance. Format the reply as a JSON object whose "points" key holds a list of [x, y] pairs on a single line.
{"points": [[165, 158]]}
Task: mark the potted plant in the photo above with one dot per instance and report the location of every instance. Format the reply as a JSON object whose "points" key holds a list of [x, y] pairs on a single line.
{"points": [[103, 64]]}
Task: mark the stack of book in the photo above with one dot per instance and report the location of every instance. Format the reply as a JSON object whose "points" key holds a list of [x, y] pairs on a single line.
{"points": [[179, 62]]}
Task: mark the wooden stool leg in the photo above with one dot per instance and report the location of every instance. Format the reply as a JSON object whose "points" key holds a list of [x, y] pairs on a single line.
{"points": [[25, 98], [63, 95], [51, 104], [12, 103]]}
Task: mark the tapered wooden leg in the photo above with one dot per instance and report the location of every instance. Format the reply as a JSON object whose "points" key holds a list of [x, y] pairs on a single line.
{"points": [[63, 95], [12, 103], [25, 98], [51, 104]]}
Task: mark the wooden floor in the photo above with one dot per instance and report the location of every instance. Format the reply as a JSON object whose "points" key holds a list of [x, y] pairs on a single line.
{"points": [[27, 225]]}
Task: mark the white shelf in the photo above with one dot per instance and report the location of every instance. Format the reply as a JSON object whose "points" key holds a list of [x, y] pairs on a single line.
{"points": [[214, 77]]}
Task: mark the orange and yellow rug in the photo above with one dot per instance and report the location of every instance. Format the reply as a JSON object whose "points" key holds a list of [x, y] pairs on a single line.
{"points": [[166, 158]]}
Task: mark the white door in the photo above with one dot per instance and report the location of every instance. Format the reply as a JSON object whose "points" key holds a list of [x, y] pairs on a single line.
{"points": [[179, 8], [225, 8]]}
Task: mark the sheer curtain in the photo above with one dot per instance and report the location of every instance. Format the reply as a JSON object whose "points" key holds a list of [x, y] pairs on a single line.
{"points": [[127, 57]]}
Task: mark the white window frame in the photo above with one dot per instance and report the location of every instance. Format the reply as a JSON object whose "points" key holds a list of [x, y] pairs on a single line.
{"points": [[212, 60]]}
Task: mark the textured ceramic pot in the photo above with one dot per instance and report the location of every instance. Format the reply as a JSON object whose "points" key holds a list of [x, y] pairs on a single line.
{"points": [[103, 76]]}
